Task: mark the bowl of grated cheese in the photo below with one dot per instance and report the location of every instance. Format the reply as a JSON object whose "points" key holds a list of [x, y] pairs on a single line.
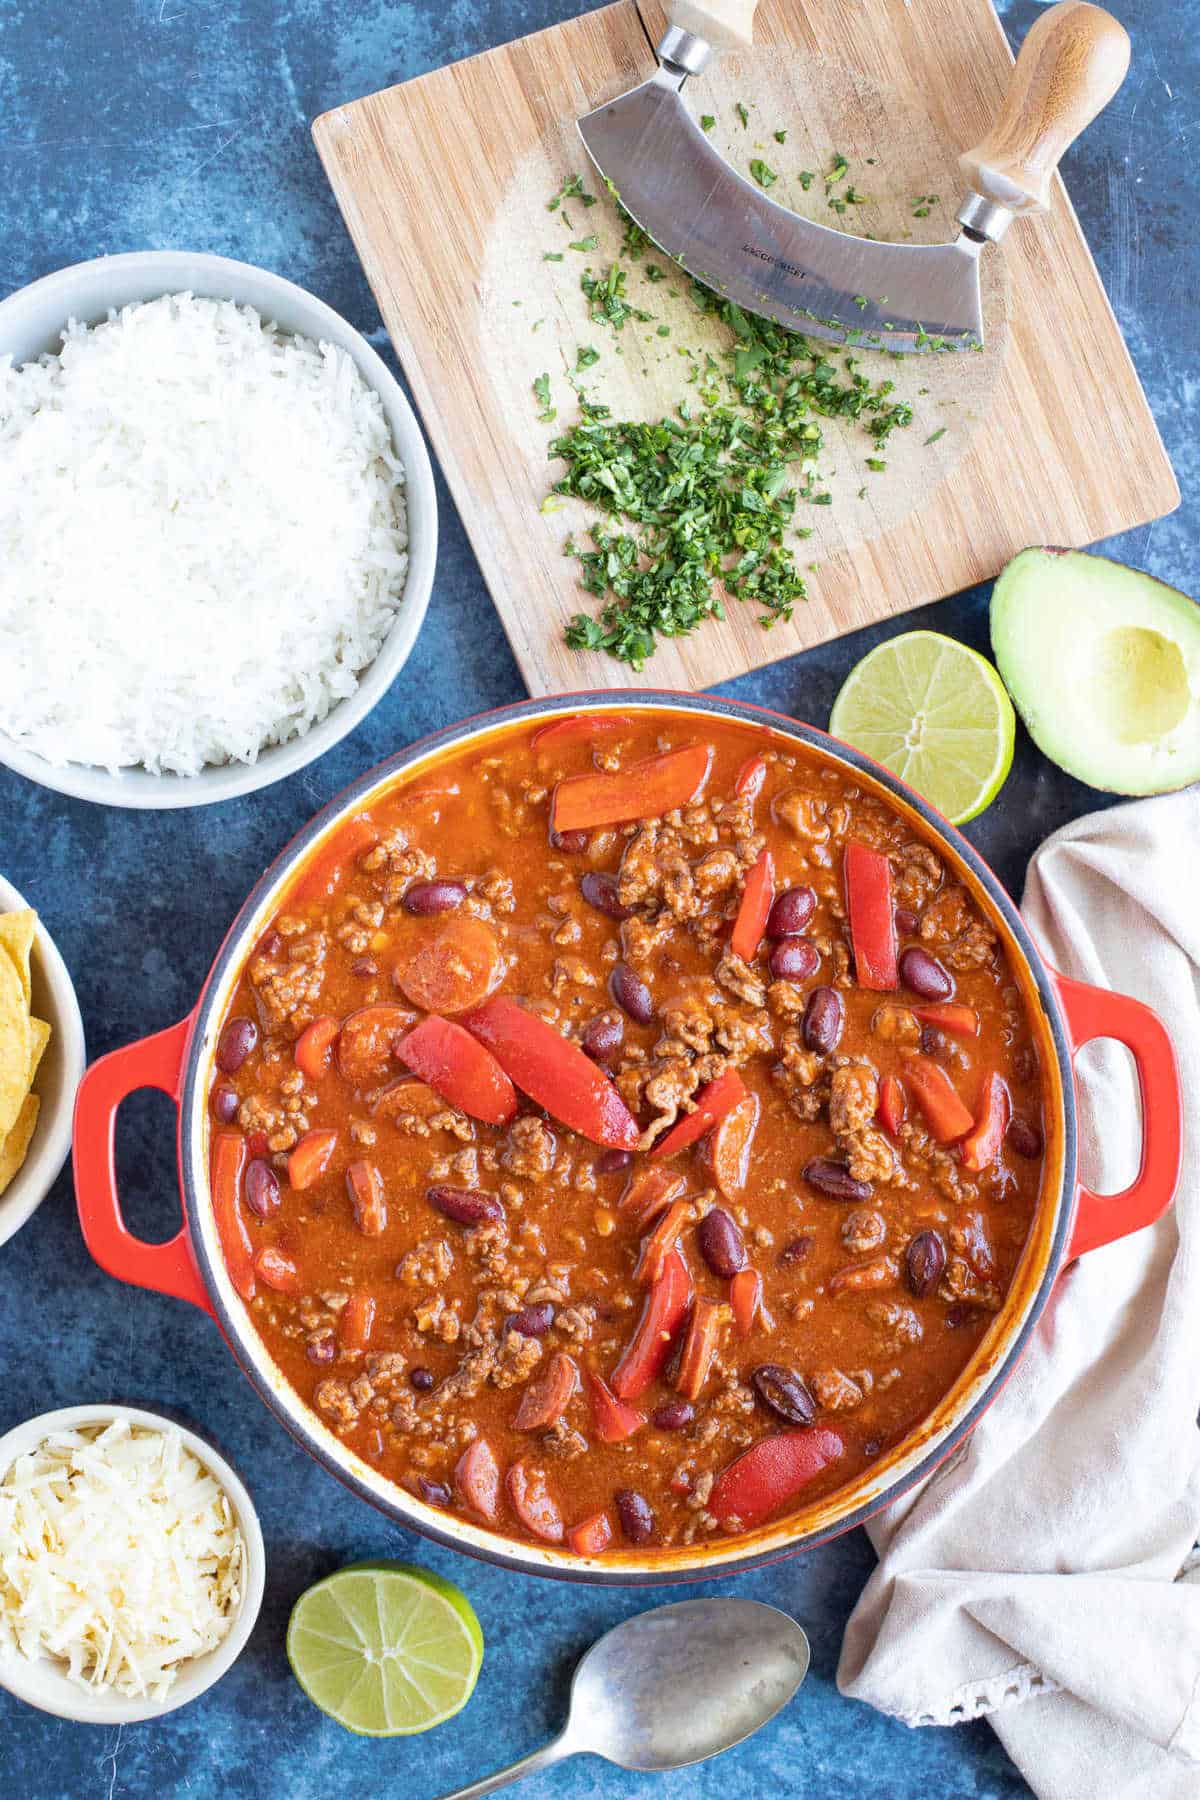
{"points": [[218, 529], [131, 1564]]}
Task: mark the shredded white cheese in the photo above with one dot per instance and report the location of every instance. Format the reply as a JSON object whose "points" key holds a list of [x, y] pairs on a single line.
{"points": [[203, 537], [120, 1556]]}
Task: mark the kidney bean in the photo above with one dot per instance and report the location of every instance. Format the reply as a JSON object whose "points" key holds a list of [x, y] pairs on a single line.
{"points": [[637, 1518], [1025, 1138], [793, 959], [434, 1493], [722, 1246], [673, 1415], [321, 1350], [924, 1261], [613, 1161], [364, 966], [824, 1019], [224, 1102], [571, 843], [427, 897], [466, 1206], [796, 1249], [834, 1180], [925, 975], [932, 1041], [602, 1037], [631, 994], [262, 1188], [531, 1321], [791, 912], [238, 1038], [785, 1393], [960, 1314], [599, 889], [421, 1379], [907, 922], [872, 1446]]}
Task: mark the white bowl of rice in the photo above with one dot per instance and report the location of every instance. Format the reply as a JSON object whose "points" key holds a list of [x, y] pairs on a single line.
{"points": [[218, 529], [131, 1564]]}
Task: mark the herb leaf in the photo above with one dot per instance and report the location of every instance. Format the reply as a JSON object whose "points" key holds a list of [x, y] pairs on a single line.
{"points": [[762, 172]]}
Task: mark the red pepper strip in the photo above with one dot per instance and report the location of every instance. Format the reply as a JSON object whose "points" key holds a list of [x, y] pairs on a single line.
{"points": [[312, 1048], [458, 1066], [750, 778], [872, 926], [945, 1114], [227, 1159], [745, 1297], [712, 1103], [554, 1072], [891, 1104], [699, 1347], [662, 1315], [357, 1320], [310, 1159], [613, 1420], [757, 898], [577, 728], [948, 1015], [981, 1147], [323, 874], [644, 790], [658, 1245], [770, 1473], [650, 1191], [590, 1536]]}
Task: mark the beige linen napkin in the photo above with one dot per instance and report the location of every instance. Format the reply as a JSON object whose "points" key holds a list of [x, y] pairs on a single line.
{"points": [[1041, 1577]]}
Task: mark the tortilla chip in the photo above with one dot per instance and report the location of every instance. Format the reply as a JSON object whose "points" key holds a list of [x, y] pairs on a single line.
{"points": [[39, 1037], [14, 1046], [16, 1145], [16, 937]]}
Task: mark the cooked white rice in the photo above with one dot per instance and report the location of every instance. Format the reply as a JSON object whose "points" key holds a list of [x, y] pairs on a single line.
{"points": [[202, 537]]}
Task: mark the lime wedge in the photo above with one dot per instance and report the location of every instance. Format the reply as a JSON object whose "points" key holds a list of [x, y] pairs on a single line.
{"points": [[936, 714], [384, 1648]]}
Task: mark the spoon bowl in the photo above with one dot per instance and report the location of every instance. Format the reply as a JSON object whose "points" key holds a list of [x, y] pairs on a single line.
{"points": [[674, 1686]]}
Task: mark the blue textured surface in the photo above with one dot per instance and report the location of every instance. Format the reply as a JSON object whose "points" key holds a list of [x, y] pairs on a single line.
{"points": [[128, 124]]}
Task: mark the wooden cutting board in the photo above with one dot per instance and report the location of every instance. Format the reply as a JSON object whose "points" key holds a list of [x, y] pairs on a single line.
{"points": [[1045, 437]]}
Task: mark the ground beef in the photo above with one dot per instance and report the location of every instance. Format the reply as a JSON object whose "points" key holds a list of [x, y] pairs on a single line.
{"points": [[853, 1098], [741, 980], [427, 1264], [953, 928], [916, 876], [530, 1148], [863, 1230], [516, 1360], [333, 1399], [288, 986], [392, 866], [834, 1390], [897, 1326]]}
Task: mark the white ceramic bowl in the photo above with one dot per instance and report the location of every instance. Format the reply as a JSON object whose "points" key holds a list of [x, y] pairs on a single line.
{"points": [[59, 1074], [31, 322], [42, 1683]]}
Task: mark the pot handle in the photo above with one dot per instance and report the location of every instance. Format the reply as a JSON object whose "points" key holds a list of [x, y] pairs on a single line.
{"points": [[1093, 1012], [155, 1062]]}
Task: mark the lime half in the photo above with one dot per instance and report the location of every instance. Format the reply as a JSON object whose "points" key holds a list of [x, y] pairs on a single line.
{"points": [[934, 712], [386, 1649]]}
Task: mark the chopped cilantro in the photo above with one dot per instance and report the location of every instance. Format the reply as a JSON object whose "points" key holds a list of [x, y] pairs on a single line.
{"points": [[572, 188], [742, 113], [552, 256], [781, 137], [762, 172], [707, 121], [606, 294], [839, 168], [652, 272], [806, 179], [541, 389], [921, 205], [585, 356], [935, 435], [877, 463], [591, 242]]}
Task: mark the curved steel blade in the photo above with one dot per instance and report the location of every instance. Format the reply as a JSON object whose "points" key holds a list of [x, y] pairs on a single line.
{"points": [[749, 249]]}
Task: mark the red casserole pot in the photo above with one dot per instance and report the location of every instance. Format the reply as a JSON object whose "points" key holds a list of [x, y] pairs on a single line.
{"points": [[1070, 1220]]}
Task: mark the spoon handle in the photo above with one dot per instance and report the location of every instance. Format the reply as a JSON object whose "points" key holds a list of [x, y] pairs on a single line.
{"points": [[528, 1765]]}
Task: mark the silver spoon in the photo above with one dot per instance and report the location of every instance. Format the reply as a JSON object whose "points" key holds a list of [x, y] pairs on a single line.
{"points": [[672, 1687]]}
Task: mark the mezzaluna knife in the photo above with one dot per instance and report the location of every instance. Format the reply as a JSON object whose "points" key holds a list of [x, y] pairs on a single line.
{"points": [[724, 230]]}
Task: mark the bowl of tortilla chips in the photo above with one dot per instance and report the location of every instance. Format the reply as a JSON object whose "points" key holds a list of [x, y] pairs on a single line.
{"points": [[42, 1059]]}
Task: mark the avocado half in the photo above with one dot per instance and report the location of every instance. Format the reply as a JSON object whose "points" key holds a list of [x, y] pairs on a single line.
{"points": [[1103, 665]]}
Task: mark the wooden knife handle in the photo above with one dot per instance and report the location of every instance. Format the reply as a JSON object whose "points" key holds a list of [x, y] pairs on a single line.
{"points": [[725, 24], [1072, 62]]}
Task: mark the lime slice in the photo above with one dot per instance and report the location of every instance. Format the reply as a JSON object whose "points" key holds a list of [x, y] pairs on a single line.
{"points": [[386, 1649], [936, 714]]}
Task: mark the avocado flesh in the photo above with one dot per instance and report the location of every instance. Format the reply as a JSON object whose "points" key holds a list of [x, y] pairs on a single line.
{"points": [[1103, 665]]}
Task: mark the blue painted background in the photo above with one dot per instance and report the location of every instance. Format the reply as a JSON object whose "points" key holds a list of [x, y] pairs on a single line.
{"points": [[129, 124]]}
